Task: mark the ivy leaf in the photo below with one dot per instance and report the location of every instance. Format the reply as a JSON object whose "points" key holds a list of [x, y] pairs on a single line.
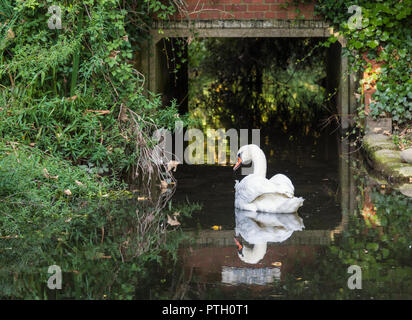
{"points": [[358, 44], [372, 246], [373, 44]]}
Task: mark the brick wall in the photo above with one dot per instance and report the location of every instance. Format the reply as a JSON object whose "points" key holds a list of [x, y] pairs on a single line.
{"points": [[246, 9]]}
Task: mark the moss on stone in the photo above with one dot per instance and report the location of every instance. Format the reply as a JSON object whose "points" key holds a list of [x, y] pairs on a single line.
{"points": [[385, 158]]}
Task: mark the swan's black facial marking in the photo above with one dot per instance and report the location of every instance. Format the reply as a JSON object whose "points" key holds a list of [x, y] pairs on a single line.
{"points": [[239, 161]]}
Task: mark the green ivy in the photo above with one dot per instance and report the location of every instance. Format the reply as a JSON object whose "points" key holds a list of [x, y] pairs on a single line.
{"points": [[385, 35]]}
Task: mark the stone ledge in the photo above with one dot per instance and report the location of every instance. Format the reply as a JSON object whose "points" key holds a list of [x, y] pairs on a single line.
{"points": [[383, 155], [241, 24]]}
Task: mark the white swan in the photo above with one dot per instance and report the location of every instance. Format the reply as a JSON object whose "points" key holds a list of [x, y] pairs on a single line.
{"points": [[256, 193], [260, 228]]}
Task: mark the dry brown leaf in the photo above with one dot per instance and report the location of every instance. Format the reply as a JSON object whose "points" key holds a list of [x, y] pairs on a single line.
{"points": [[71, 98], [149, 218], [172, 164], [46, 173], [9, 237], [172, 222], [78, 183], [386, 132], [67, 192], [10, 34], [113, 54], [99, 112]]}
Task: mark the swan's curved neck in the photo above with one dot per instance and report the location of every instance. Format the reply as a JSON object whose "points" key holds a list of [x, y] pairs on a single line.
{"points": [[255, 254], [259, 163]]}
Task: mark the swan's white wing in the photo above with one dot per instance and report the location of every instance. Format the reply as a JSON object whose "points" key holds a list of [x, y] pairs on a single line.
{"points": [[290, 221], [283, 185], [257, 228], [253, 186]]}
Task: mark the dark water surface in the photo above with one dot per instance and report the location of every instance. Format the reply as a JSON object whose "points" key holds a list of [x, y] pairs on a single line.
{"points": [[311, 164], [122, 249], [348, 219]]}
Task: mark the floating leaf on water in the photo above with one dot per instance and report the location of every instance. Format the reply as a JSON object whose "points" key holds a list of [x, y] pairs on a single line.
{"points": [[216, 227], [277, 264]]}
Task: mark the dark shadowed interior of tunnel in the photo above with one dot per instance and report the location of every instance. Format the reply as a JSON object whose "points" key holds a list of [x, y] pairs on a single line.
{"points": [[251, 82], [285, 87]]}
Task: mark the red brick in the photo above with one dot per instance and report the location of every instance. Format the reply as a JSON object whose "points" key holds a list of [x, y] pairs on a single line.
{"points": [[205, 7], [254, 15], [194, 2], [193, 15], [227, 1], [270, 15], [228, 15], [281, 15], [258, 7], [307, 14], [293, 15], [307, 7], [235, 7], [276, 7], [254, 1], [238, 15], [207, 15]]}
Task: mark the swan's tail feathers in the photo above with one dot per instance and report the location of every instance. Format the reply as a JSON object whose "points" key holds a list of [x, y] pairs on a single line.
{"points": [[300, 202], [295, 203]]}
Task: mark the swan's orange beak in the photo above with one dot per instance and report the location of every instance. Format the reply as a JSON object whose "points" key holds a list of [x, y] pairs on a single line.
{"points": [[238, 163], [239, 246]]}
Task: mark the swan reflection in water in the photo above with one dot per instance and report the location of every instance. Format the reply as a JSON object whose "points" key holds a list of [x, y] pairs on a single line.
{"points": [[257, 229]]}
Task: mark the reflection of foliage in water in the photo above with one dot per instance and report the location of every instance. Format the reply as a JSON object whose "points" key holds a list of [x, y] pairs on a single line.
{"points": [[378, 239], [55, 214], [104, 252], [249, 82]]}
